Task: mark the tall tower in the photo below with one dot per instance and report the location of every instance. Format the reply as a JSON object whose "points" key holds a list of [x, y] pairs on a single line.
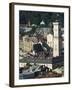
{"points": [[56, 39]]}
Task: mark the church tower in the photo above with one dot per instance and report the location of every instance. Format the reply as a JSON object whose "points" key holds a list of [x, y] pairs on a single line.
{"points": [[56, 39]]}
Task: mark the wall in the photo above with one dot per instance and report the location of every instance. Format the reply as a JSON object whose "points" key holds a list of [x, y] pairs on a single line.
{"points": [[4, 44]]}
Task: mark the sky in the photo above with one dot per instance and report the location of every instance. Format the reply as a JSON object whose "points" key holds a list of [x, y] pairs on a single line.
{"points": [[35, 17]]}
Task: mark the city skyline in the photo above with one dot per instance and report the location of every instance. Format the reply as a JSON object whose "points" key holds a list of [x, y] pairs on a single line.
{"points": [[35, 17]]}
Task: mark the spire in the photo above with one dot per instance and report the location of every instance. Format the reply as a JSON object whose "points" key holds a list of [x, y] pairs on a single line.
{"points": [[42, 23]]}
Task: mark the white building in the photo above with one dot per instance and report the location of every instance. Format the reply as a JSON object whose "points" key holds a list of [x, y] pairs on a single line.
{"points": [[56, 39], [50, 40]]}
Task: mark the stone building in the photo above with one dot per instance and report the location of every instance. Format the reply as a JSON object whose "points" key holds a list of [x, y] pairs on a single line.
{"points": [[50, 40], [56, 42], [27, 44]]}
